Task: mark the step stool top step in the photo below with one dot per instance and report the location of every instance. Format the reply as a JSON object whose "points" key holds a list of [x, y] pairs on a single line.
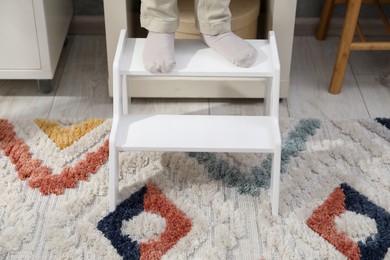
{"points": [[197, 133], [194, 58]]}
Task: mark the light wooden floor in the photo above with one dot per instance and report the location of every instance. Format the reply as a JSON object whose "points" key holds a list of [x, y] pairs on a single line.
{"points": [[81, 87]]}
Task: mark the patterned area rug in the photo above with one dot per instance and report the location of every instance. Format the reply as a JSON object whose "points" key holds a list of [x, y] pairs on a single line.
{"points": [[334, 196]]}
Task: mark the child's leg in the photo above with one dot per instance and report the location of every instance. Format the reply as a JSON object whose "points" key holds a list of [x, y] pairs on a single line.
{"points": [[213, 20], [161, 19]]}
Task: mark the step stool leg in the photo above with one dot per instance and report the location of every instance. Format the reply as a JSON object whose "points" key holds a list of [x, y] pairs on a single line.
{"points": [[271, 98], [114, 172], [125, 96], [275, 180], [268, 98]]}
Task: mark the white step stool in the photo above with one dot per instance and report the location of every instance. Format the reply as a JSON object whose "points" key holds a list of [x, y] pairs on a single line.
{"points": [[195, 133]]}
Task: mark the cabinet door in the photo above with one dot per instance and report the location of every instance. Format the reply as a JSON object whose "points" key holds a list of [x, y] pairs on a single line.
{"points": [[18, 36]]}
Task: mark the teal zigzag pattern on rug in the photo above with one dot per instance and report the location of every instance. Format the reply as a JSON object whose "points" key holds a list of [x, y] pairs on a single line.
{"points": [[261, 176]]}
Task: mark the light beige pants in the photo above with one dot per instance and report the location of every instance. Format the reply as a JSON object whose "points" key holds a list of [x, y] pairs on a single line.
{"points": [[211, 16]]}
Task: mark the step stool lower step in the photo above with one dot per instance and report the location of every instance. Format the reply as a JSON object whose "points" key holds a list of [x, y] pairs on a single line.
{"points": [[197, 133]]}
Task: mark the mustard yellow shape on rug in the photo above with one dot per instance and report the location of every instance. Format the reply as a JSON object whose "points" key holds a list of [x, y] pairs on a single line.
{"points": [[66, 136]]}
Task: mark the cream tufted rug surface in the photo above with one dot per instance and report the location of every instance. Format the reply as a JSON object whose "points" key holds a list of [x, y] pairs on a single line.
{"points": [[334, 196]]}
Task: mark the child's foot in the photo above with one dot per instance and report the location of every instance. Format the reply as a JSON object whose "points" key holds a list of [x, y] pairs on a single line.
{"points": [[159, 52], [233, 48]]}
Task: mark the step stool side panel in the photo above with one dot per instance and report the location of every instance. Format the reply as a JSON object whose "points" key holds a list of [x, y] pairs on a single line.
{"points": [[275, 169], [113, 176], [117, 77], [117, 114], [276, 78]]}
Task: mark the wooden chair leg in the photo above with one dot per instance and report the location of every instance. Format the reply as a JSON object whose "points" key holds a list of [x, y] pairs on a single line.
{"points": [[344, 50], [382, 15], [326, 16]]}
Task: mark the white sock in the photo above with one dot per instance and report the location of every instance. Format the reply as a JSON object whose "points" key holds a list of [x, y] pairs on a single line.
{"points": [[233, 48], [159, 52]]}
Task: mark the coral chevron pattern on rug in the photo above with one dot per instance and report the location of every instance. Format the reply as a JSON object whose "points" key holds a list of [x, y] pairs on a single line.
{"points": [[334, 195], [41, 176]]}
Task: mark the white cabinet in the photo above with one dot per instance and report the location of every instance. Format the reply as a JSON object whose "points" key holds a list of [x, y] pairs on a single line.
{"points": [[32, 34]]}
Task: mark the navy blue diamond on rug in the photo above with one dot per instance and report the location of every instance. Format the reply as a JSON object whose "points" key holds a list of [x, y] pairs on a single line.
{"points": [[384, 121], [148, 199], [377, 247], [111, 225]]}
